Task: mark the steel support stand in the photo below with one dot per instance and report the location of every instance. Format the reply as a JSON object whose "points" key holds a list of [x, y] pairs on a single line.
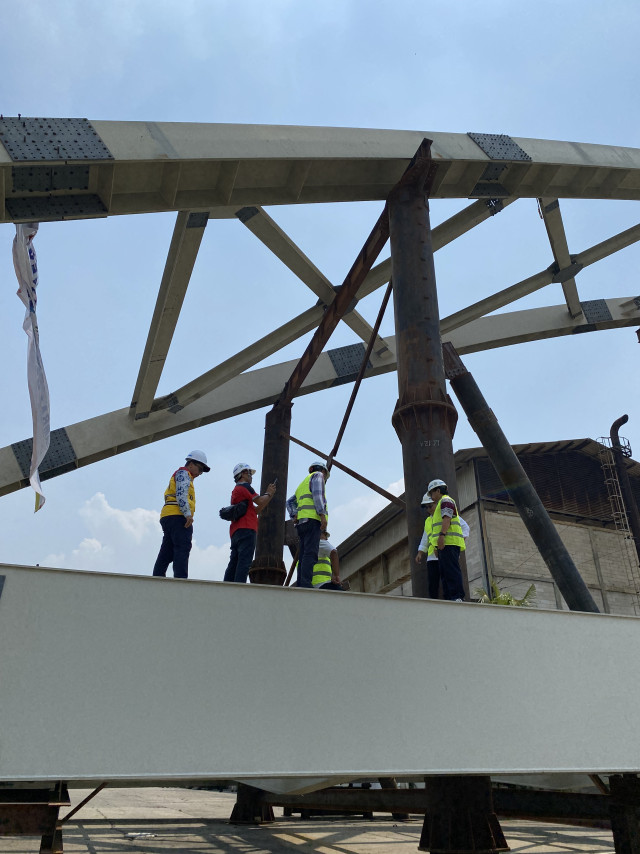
{"points": [[424, 417], [460, 814], [250, 807], [624, 809], [268, 566], [34, 812]]}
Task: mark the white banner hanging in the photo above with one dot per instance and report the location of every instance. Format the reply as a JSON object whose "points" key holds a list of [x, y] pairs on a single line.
{"points": [[26, 267]]}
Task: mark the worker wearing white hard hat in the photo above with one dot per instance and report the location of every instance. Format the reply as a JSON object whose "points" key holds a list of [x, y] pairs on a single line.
{"points": [[176, 516], [308, 509], [447, 540], [244, 529]]}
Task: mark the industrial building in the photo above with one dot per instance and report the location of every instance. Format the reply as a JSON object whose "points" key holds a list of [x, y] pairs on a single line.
{"points": [[574, 482]]}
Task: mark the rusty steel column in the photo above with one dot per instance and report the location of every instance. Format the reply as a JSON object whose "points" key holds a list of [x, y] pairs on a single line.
{"points": [[424, 417], [268, 566], [625, 483]]}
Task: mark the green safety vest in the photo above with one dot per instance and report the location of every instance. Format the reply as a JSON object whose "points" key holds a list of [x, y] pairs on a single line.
{"points": [[428, 525], [322, 571], [306, 507], [453, 537]]}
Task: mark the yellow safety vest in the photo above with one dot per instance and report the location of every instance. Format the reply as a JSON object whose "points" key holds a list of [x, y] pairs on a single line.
{"points": [[171, 506], [304, 498], [428, 525], [453, 537], [322, 571]]}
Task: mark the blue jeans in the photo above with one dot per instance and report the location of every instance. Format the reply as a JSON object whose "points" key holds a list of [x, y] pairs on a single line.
{"points": [[309, 536], [243, 545], [175, 548]]}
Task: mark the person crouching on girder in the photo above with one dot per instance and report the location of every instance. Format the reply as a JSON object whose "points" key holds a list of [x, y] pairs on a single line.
{"points": [[308, 509]]}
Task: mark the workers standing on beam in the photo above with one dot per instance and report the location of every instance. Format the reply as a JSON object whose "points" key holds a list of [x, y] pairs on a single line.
{"points": [[244, 530], [447, 539], [308, 509], [427, 547], [176, 517], [326, 572]]}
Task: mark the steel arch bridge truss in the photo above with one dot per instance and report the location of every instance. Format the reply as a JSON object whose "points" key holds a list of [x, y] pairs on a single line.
{"points": [[63, 169]]}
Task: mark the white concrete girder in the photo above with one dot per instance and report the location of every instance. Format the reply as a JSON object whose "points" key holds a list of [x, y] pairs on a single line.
{"points": [[552, 216], [115, 432], [185, 243]]}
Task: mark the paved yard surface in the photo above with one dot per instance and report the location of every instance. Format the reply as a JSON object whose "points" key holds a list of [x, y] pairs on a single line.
{"points": [[157, 821]]}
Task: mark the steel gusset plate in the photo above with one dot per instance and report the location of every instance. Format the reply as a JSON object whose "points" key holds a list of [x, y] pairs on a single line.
{"points": [[47, 179], [52, 139], [346, 362], [596, 310], [55, 208], [59, 459], [499, 146]]}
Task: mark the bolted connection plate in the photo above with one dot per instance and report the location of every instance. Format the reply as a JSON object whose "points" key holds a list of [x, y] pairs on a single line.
{"points": [[52, 139]]}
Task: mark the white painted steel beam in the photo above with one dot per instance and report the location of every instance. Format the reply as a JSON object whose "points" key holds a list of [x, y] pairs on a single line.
{"points": [[115, 432], [441, 235], [552, 216], [185, 243], [277, 241], [539, 280], [127, 700], [162, 166]]}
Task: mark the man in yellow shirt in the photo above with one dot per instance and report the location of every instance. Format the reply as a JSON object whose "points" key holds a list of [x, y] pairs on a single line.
{"points": [[176, 517]]}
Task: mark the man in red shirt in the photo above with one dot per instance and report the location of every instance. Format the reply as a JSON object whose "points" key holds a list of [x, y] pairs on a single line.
{"points": [[244, 530]]}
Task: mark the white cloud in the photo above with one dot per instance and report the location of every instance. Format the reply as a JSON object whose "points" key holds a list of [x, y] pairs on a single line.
{"points": [[127, 541], [101, 518], [347, 518]]}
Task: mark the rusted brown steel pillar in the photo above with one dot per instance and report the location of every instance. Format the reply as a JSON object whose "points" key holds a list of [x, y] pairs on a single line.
{"points": [[425, 420], [268, 566], [624, 809], [424, 417], [625, 482]]}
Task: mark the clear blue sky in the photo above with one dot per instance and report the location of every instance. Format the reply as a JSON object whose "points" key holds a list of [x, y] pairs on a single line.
{"points": [[565, 71]]}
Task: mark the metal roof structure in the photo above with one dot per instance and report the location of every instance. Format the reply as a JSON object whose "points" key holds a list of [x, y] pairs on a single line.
{"points": [[66, 169]]}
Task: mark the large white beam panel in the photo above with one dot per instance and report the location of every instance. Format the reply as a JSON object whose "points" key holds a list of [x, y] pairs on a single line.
{"points": [[131, 678]]}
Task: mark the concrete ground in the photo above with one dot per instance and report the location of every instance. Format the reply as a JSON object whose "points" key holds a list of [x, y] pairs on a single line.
{"points": [[161, 820]]}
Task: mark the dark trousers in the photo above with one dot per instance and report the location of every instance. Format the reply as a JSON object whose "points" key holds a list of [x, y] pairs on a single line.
{"points": [[449, 560], [243, 546], [433, 578], [309, 536], [175, 548]]}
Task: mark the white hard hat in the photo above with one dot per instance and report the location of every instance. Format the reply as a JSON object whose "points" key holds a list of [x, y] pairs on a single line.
{"points": [[426, 499], [318, 464], [199, 457], [435, 484], [242, 467]]}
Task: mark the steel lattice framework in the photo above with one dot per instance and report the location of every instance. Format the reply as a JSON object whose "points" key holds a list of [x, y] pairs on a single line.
{"points": [[64, 169]]}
